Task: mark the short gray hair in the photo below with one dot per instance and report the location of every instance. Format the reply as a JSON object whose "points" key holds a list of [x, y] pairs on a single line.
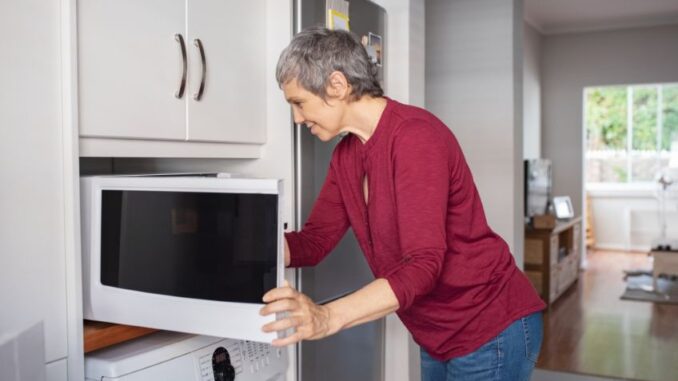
{"points": [[316, 52]]}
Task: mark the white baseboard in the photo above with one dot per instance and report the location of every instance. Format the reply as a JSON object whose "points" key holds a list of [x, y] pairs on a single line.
{"points": [[548, 375], [621, 247]]}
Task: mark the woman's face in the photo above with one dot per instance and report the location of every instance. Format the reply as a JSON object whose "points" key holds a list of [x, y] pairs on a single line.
{"points": [[322, 116]]}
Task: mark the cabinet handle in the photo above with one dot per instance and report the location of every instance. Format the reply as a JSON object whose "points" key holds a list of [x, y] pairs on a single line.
{"points": [[182, 86], [198, 95]]}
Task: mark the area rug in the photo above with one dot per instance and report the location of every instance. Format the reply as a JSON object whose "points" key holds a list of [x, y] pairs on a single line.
{"points": [[639, 287]]}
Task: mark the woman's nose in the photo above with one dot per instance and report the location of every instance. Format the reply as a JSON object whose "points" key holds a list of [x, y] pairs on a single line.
{"points": [[298, 118]]}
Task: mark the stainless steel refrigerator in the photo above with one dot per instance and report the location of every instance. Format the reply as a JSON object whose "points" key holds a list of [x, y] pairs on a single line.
{"points": [[358, 353]]}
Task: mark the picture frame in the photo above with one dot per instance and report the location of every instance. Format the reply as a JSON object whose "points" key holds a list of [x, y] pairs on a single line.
{"points": [[562, 206], [376, 42]]}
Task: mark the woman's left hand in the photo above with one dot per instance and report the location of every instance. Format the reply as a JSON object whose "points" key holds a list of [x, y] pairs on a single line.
{"points": [[310, 321]]}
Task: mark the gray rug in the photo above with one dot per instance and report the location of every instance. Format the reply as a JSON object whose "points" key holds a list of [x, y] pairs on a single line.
{"points": [[639, 287]]}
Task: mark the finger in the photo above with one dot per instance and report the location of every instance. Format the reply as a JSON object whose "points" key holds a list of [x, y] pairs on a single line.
{"points": [[281, 325], [279, 293], [281, 305], [292, 339]]}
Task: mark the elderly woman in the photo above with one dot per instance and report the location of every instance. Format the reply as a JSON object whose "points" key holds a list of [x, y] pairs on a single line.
{"points": [[400, 181]]}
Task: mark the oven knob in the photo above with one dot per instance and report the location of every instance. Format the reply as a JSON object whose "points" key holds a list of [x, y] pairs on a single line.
{"points": [[221, 365]]}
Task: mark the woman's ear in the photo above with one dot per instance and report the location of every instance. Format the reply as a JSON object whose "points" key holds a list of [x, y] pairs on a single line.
{"points": [[337, 86]]}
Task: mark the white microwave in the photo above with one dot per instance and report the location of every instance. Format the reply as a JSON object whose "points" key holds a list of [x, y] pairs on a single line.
{"points": [[190, 253]]}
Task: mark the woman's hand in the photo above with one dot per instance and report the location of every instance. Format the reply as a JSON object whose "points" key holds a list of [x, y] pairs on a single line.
{"points": [[311, 321]]}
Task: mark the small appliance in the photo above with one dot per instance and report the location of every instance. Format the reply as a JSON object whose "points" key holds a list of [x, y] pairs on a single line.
{"points": [[172, 356], [190, 253]]}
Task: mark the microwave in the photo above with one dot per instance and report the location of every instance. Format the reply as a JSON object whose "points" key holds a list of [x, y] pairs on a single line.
{"points": [[186, 253]]}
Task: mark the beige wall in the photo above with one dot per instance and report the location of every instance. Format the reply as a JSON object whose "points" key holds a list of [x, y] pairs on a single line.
{"points": [[474, 85], [532, 41]]}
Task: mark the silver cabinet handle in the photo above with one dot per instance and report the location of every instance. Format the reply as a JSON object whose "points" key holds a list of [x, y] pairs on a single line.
{"points": [[182, 86], [198, 95]]}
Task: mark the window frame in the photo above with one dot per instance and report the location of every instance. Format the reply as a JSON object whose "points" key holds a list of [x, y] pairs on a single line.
{"points": [[631, 187]]}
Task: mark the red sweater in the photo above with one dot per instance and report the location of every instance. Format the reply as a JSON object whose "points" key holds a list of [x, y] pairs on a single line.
{"points": [[423, 229]]}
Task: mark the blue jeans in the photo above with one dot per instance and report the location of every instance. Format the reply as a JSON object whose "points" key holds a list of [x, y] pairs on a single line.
{"points": [[510, 356]]}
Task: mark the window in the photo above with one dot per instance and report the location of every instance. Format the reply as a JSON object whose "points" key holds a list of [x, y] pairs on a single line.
{"points": [[629, 131]]}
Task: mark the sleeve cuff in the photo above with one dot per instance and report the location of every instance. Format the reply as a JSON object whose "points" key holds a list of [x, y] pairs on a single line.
{"points": [[405, 298], [297, 258]]}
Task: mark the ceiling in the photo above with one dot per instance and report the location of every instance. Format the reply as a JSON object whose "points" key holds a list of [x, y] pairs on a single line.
{"points": [[567, 16]]}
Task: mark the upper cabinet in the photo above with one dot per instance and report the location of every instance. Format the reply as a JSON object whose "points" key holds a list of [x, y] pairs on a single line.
{"points": [[130, 67], [233, 103], [181, 78]]}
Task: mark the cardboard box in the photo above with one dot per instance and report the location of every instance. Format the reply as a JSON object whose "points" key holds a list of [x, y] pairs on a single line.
{"points": [[544, 221]]}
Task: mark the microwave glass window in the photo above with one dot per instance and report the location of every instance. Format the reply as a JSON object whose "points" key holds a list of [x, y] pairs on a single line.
{"points": [[214, 246]]}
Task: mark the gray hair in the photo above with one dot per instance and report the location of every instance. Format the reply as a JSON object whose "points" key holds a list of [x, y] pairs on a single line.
{"points": [[316, 52]]}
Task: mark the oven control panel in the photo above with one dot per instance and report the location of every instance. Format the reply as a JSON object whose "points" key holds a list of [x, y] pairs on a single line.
{"points": [[172, 356], [239, 360]]}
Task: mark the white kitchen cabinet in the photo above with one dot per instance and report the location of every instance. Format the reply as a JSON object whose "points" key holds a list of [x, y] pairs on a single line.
{"points": [[233, 35], [132, 55], [129, 68], [35, 222]]}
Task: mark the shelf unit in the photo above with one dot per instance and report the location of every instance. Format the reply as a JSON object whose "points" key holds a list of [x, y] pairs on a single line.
{"points": [[552, 258]]}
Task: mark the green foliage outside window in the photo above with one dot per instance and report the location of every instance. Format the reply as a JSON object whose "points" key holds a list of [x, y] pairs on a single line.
{"points": [[654, 126], [670, 125], [606, 118], [645, 118]]}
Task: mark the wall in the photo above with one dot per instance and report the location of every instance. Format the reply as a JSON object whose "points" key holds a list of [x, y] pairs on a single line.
{"points": [[571, 62], [629, 219], [474, 85], [531, 93]]}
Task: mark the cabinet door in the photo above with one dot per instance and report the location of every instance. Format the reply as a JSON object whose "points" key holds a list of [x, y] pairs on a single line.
{"points": [[32, 237], [233, 103], [129, 67]]}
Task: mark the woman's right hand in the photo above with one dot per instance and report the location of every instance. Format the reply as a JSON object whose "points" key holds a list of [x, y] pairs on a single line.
{"points": [[309, 320]]}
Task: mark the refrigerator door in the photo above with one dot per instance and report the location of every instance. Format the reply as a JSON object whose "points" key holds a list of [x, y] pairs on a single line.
{"points": [[357, 353]]}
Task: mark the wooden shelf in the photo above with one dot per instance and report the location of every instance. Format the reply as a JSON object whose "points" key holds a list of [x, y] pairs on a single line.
{"points": [[552, 258], [99, 335]]}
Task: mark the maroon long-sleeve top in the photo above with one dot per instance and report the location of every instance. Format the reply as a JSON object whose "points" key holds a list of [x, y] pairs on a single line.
{"points": [[423, 229]]}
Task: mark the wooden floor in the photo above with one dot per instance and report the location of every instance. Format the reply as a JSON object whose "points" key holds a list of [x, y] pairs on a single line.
{"points": [[590, 330]]}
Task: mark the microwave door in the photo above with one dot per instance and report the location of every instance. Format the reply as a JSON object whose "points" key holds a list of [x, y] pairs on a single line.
{"points": [[193, 261], [209, 246]]}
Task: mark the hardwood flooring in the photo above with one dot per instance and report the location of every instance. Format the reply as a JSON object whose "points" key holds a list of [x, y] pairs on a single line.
{"points": [[590, 330]]}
